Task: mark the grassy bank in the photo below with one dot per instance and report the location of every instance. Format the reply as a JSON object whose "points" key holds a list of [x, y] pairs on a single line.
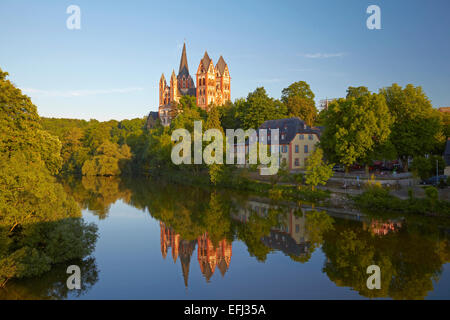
{"points": [[379, 199], [238, 182]]}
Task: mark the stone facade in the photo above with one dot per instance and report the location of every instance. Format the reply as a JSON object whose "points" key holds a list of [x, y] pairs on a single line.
{"points": [[213, 86]]}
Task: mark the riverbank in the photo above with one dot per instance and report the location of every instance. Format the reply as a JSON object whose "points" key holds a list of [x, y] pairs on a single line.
{"points": [[371, 197]]}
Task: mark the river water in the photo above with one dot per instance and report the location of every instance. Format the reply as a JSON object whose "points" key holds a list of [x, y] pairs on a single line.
{"points": [[158, 240]]}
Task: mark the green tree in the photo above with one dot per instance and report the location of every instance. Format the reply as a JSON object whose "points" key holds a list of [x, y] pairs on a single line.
{"points": [[28, 158], [213, 119], [421, 166], [317, 170], [417, 125], [259, 107], [38, 220], [298, 89], [440, 164], [299, 101], [301, 108], [109, 160], [229, 114], [355, 127], [356, 92]]}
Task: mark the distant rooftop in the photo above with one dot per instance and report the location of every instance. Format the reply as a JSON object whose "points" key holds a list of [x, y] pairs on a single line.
{"points": [[289, 127]]}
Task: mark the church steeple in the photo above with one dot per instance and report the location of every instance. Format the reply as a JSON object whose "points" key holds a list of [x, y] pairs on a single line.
{"points": [[183, 62]]}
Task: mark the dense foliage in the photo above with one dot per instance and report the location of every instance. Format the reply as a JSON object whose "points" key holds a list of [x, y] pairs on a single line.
{"points": [[395, 123], [40, 224], [355, 127]]}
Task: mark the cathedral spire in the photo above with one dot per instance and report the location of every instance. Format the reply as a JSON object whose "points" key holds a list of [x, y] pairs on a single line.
{"points": [[206, 61], [183, 61]]}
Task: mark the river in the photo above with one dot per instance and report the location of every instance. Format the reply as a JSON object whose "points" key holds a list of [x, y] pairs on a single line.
{"points": [[158, 240]]}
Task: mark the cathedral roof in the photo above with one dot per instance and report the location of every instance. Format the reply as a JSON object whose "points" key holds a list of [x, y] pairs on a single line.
{"points": [[184, 69], [223, 266], [220, 66], [206, 61]]}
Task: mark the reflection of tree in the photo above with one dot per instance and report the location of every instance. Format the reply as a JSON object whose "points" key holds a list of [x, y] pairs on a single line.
{"points": [[52, 285], [103, 193], [216, 219], [179, 207], [97, 193], [255, 228], [405, 272], [34, 248]]}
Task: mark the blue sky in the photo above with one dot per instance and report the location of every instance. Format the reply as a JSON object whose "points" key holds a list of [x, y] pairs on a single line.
{"points": [[111, 67]]}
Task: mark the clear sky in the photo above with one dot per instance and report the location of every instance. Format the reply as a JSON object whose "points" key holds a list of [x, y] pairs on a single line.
{"points": [[110, 68]]}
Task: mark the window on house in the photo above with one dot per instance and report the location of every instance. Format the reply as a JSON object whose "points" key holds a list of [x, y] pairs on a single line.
{"points": [[306, 148], [296, 148], [297, 162], [310, 137], [297, 228], [301, 137], [273, 148]]}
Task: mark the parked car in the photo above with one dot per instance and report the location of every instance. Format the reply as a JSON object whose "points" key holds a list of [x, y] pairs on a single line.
{"points": [[376, 166], [356, 167], [434, 181], [338, 168]]}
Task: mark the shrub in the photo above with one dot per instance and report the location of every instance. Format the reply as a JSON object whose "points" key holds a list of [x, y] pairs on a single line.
{"points": [[432, 193]]}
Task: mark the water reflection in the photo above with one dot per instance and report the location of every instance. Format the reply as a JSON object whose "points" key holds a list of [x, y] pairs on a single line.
{"points": [[52, 285], [195, 221], [209, 256], [194, 218]]}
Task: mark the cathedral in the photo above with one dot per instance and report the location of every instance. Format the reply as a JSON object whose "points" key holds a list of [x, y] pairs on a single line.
{"points": [[213, 86]]}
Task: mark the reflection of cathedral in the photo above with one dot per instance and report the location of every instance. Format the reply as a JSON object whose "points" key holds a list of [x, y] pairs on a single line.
{"points": [[382, 228], [208, 256]]}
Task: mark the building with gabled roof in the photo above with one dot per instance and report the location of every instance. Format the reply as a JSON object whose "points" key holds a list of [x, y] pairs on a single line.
{"points": [[297, 140]]}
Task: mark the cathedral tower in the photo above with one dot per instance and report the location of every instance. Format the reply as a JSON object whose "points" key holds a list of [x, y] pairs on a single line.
{"points": [[213, 83], [179, 85]]}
